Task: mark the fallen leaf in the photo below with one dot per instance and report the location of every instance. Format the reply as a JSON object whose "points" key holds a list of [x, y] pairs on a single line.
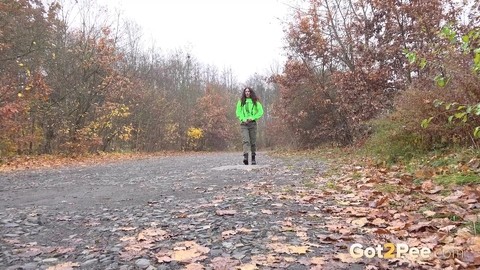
{"points": [[289, 259], [244, 230], [194, 266], [221, 263], [317, 260], [378, 221], [226, 212], [185, 255], [447, 228], [429, 213], [346, 258], [298, 249], [359, 222], [64, 250], [377, 203], [64, 266], [427, 185], [247, 267], [278, 247], [163, 259]]}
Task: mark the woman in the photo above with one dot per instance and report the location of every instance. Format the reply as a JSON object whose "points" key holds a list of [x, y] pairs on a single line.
{"points": [[249, 110]]}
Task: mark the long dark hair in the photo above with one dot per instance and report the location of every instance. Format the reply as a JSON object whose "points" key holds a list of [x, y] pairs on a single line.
{"points": [[253, 96]]}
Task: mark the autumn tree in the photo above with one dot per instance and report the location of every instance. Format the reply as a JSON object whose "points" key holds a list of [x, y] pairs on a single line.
{"points": [[214, 115], [87, 85], [346, 60], [27, 29]]}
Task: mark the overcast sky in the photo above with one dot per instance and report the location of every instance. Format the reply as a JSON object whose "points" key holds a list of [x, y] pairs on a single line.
{"points": [[244, 35]]}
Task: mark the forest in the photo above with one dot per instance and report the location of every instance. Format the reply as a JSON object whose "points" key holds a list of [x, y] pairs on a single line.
{"points": [[371, 129], [399, 77]]}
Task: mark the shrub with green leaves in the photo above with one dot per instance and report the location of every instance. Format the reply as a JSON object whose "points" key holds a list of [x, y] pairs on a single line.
{"points": [[392, 141]]}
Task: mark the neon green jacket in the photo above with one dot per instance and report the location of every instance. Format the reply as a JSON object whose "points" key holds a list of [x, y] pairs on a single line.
{"points": [[249, 111]]}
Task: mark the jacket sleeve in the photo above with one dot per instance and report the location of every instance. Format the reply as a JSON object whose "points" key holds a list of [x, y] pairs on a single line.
{"points": [[259, 111], [239, 112]]}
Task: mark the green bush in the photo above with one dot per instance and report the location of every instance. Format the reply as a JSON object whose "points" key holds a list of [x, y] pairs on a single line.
{"points": [[392, 142]]}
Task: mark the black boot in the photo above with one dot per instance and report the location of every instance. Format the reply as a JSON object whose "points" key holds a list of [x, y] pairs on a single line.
{"points": [[254, 162], [245, 159]]}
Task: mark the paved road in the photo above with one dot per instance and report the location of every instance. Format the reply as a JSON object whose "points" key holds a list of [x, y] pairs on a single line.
{"points": [[92, 217], [134, 182]]}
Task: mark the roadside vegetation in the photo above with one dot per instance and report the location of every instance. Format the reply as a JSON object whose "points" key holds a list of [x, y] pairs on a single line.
{"points": [[386, 92]]}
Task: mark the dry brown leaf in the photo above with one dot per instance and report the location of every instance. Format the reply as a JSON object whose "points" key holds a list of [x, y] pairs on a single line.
{"points": [[462, 264], [298, 249], [226, 212], [317, 260], [429, 213], [472, 258], [379, 202], [379, 221], [154, 232], [248, 266], [185, 255], [64, 266], [414, 242], [224, 263], [359, 222], [396, 225], [265, 260], [475, 244], [448, 228], [309, 199], [334, 227], [381, 231], [244, 230], [303, 236], [64, 250], [346, 258], [278, 247], [189, 251], [427, 185], [163, 259], [327, 239]]}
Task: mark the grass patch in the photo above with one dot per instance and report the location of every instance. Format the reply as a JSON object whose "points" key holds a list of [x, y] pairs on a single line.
{"points": [[389, 188], [356, 175], [392, 143], [474, 227], [458, 179], [331, 185]]}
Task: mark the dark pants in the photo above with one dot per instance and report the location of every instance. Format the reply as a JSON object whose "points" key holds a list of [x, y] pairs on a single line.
{"points": [[249, 136]]}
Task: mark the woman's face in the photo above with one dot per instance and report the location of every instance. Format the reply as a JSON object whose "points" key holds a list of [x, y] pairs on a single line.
{"points": [[247, 92]]}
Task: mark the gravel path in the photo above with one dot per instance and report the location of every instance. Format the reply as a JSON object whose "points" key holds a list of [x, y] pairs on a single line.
{"points": [[142, 214]]}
